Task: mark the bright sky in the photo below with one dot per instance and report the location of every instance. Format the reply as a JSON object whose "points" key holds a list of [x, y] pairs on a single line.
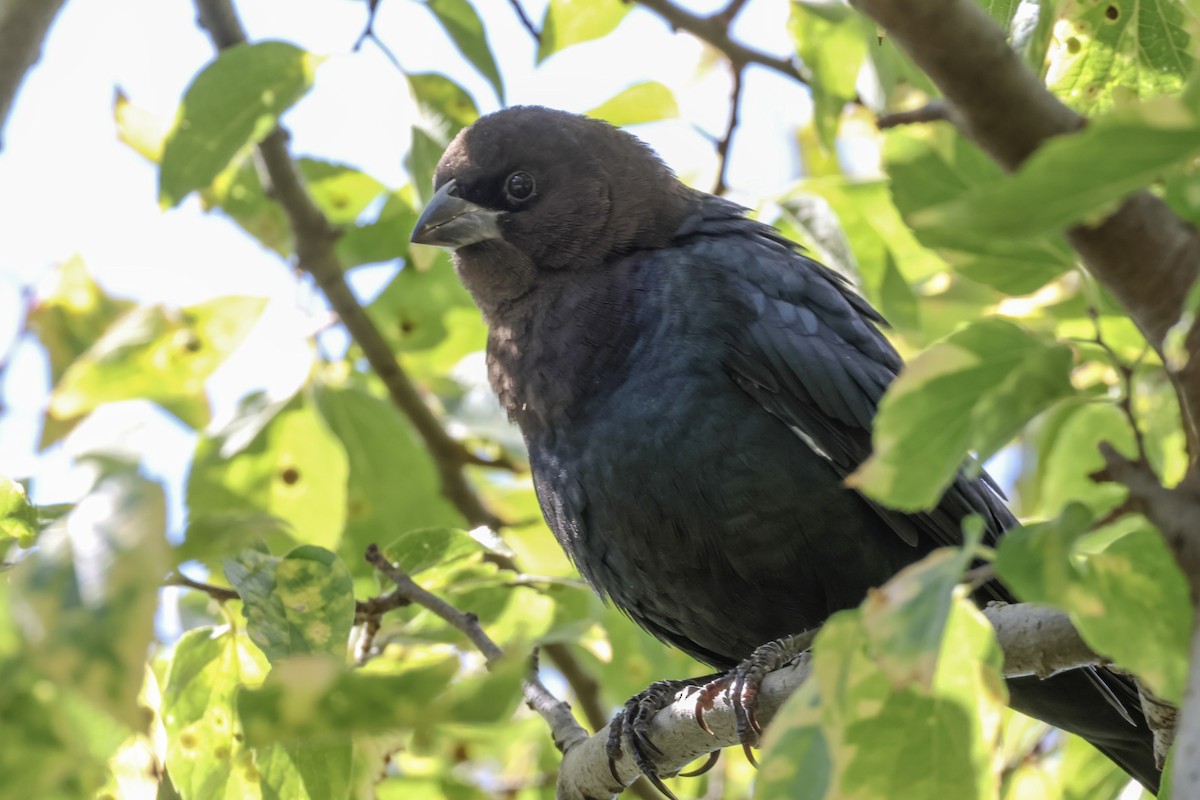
{"points": [[68, 186]]}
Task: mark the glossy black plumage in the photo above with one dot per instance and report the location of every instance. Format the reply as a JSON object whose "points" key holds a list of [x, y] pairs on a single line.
{"points": [[692, 391]]}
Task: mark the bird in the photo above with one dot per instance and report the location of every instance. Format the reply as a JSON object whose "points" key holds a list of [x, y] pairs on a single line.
{"points": [[693, 390]]}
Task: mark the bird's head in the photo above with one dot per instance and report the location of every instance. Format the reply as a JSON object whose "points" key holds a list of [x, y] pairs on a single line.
{"points": [[530, 190]]}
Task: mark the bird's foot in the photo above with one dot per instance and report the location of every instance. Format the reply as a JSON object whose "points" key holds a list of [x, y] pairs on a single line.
{"points": [[632, 724], [742, 684]]}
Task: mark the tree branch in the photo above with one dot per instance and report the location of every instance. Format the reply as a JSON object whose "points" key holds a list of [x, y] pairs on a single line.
{"points": [[1035, 640], [315, 237], [933, 111], [723, 144], [23, 28], [526, 22], [714, 30]]}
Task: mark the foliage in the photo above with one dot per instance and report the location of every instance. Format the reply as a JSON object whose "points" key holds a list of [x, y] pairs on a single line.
{"points": [[1013, 350]]}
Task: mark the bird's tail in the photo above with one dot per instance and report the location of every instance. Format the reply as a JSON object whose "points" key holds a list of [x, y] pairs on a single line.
{"points": [[1099, 706]]}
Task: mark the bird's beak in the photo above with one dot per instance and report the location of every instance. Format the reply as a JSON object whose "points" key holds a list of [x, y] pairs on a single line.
{"points": [[450, 221]]}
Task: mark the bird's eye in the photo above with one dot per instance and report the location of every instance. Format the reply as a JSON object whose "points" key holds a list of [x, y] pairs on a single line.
{"points": [[519, 186]]}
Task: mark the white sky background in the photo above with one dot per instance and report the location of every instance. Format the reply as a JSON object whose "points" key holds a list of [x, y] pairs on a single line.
{"points": [[68, 186]]}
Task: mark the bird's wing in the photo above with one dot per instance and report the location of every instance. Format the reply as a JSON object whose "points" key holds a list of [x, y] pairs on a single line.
{"points": [[813, 356]]}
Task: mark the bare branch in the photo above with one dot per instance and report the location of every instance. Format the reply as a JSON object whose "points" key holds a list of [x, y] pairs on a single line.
{"points": [[315, 238], [1035, 640], [526, 22], [23, 28], [218, 593], [715, 31], [723, 144]]}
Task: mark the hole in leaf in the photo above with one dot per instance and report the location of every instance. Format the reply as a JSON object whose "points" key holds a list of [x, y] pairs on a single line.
{"points": [[221, 752], [406, 326], [1112, 13], [187, 740], [290, 476], [1073, 45]]}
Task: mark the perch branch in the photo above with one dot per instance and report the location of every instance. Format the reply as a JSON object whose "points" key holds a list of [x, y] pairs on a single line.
{"points": [[23, 28]]}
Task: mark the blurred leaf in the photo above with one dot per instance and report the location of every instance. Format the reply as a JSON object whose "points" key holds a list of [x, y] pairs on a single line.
{"points": [[209, 536], [1073, 178], [85, 601], [465, 29], [931, 170], [159, 354], [1103, 52], [444, 102], [341, 192], [142, 130], [393, 482], [284, 462], [857, 737], [421, 162], [1087, 774], [238, 191], [973, 391], [648, 101], [300, 604], [1002, 11], [235, 101], [207, 754], [411, 310], [1119, 584], [315, 700], [831, 40], [569, 22], [18, 519], [72, 312], [384, 239], [305, 772], [905, 618]]}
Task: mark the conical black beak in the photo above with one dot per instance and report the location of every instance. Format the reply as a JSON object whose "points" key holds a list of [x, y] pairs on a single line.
{"points": [[450, 221]]}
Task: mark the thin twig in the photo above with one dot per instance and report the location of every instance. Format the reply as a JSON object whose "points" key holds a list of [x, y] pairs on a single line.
{"points": [[933, 111], [315, 238], [519, 10], [715, 31], [218, 593], [723, 144], [1125, 372]]}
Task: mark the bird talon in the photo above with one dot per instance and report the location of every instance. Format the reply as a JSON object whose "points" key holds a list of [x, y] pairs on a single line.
{"points": [[749, 754], [708, 764]]}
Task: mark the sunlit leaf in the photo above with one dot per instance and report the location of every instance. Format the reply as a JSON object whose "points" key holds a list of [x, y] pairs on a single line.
{"points": [[417, 550], [973, 391], [160, 354], [1102, 51], [569, 22], [411, 310], [239, 191], [85, 602], [235, 101], [142, 130], [280, 461], [206, 751], [831, 40], [1120, 585], [18, 519], [443, 101], [383, 239], [465, 29], [341, 192], [305, 771], [648, 101], [300, 604]]}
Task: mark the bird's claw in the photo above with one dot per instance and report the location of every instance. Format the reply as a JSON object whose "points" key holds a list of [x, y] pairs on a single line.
{"points": [[632, 724]]}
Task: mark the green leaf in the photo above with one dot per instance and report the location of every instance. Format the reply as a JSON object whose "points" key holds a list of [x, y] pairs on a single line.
{"points": [[384, 239], [1119, 584], [972, 391], [1104, 51], [831, 40], [277, 460], [207, 755], [393, 482], [305, 772], [905, 618], [85, 601], [411, 312], [163, 355], [570, 22], [71, 314], [422, 161], [300, 604], [235, 101], [341, 192], [419, 550], [146, 133], [316, 700], [239, 192], [1073, 178], [932, 170], [465, 29], [443, 102], [18, 519], [648, 101]]}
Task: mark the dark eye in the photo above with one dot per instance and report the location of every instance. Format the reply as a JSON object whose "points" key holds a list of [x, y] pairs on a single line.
{"points": [[519, 186]]}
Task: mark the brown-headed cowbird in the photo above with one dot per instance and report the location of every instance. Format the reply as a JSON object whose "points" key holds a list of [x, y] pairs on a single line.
{"points": [[692, 391]]}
